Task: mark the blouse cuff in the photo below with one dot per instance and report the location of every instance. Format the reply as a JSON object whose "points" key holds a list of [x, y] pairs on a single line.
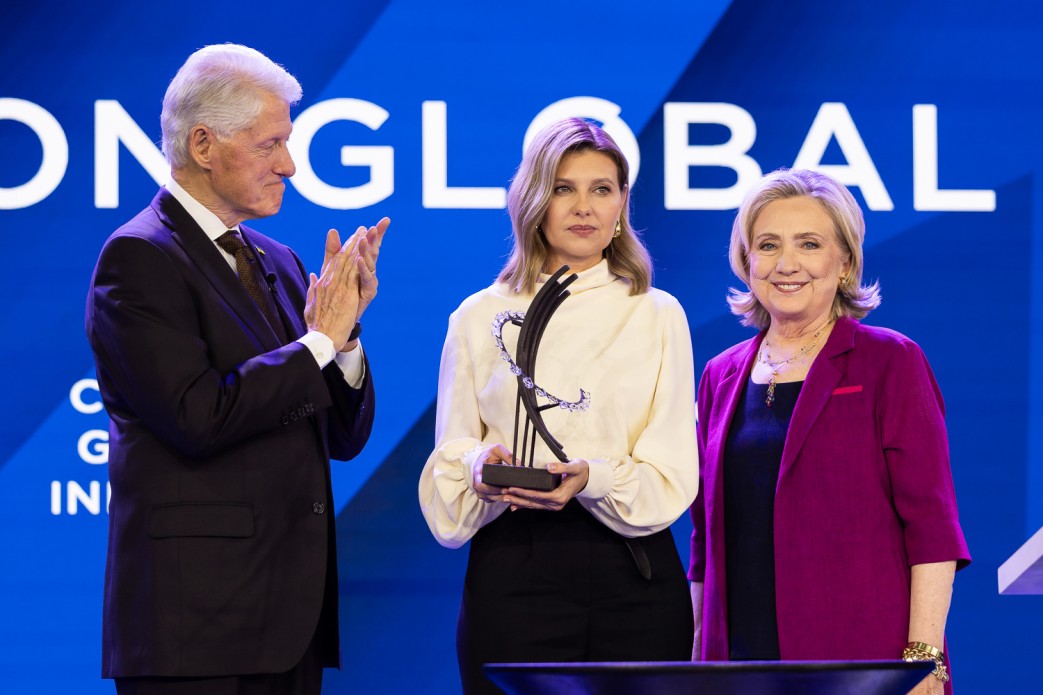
{"points": [[599, 479], [467, 459]]}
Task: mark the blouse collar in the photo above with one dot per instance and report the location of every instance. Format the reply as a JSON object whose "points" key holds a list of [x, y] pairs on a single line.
{"points": [[596, 276]]}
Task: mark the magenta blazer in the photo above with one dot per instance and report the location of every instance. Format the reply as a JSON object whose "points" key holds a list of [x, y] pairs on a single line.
{"points": [[864, 492]]}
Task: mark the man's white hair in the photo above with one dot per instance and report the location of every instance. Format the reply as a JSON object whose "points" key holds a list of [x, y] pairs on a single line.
{"points": [[222, 87]]}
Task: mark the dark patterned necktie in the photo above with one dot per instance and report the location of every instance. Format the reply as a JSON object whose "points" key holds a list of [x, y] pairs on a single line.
{"points": [[250, 276]]}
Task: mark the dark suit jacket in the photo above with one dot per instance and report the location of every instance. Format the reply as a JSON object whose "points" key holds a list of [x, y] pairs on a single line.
{"points": [[864, 492], [221, 529]]}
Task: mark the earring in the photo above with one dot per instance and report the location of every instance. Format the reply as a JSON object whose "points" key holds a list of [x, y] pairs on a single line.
{"points": [[619, 230]]}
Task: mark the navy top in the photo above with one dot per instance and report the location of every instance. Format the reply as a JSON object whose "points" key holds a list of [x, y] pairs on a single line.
{"points": [[752, 456]]}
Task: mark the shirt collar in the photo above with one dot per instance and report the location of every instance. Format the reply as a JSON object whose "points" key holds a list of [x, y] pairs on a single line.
{"points": [[210, 223]]}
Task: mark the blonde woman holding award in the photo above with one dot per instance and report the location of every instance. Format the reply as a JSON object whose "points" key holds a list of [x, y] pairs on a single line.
{"points": [[588, 570]]}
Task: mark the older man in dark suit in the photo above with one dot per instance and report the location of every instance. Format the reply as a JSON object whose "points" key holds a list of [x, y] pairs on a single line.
{"points": [[230, 377]]}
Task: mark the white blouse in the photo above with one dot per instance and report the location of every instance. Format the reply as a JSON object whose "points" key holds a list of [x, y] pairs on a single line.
{"points": [[632, 354]]}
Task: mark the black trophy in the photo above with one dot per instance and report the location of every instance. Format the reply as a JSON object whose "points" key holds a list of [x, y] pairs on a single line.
{"points": [[532, 322]]}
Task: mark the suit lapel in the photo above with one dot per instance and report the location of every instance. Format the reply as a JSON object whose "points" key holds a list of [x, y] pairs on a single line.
{"points": [[823, 377], [290, 320], [204, 254]]}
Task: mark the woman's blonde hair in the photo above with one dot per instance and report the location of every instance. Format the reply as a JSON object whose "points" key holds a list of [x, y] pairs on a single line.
{"points": [[529, 197], [853, 299]]}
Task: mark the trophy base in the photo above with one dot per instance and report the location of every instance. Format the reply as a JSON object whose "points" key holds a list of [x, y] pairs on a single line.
{"points": [[502, 475]]}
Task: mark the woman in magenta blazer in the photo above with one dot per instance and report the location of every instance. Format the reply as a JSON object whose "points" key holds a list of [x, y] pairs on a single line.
{"points": [[826, 524]]}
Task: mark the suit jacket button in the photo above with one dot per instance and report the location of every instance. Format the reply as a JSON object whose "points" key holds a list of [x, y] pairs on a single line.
{"points": [[318, 508]]}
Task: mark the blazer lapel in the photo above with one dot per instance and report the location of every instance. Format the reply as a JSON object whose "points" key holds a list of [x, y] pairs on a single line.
{"points": [[204, 254], [822, 378], [726, 397]]}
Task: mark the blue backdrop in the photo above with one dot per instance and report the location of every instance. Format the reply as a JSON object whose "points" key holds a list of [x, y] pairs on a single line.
{"points": [[930, 110]]}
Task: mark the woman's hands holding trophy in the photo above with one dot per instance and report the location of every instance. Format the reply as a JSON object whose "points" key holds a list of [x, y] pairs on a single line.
{"points": [[496, 454], [574, 478]]}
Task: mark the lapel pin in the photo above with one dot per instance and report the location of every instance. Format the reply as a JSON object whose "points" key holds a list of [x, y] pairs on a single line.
{"points": [[259, 250]]}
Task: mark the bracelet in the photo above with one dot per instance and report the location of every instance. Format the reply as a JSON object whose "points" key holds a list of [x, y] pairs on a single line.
{"points": [[921, 651], [934, 652]]}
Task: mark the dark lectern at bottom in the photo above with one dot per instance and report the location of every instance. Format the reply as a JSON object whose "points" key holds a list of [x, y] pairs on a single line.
{"points": [[711, 678]]}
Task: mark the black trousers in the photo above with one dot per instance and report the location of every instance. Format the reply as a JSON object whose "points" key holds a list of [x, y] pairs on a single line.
{"points": [[560, 586]]}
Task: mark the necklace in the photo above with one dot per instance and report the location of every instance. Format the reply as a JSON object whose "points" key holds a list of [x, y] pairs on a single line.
{"points": [[764, 357]]}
